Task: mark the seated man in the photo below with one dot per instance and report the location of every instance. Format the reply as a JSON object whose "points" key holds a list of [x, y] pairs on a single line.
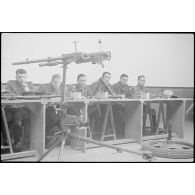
{"points": [[16, 87], [121, 88], [81, 86], [19, 117], [85, 90], [53, 118], [102, 85], [54, 87], [138, 90]]}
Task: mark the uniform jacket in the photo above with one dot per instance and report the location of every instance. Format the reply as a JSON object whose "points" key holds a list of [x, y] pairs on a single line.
{"points": [[85, 91], [99, 86], [13, 86], [50, 90], [137, 90], [118, 88]]}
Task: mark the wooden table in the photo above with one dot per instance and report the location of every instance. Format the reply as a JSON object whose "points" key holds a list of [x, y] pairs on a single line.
{"points": [[174, 113], [133, 119]]}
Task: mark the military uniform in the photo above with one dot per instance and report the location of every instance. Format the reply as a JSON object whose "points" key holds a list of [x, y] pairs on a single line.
{"points": [[99, 86], [138, 90], [19, 117], [54, 119], [118, 88], [14, 87], [85, 90], [50, 90], [119, 110]]}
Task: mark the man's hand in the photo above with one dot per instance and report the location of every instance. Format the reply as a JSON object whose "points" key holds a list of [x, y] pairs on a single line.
{"points": [[25, 87]]}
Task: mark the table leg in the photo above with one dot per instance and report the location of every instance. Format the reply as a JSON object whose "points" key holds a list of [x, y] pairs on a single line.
{"points": [[176, 115], [133, 121], [37, 127], [84, 131], [6, 129]]}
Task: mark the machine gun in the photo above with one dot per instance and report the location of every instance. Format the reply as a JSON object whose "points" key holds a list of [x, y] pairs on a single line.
{"points": [[65, 59]]}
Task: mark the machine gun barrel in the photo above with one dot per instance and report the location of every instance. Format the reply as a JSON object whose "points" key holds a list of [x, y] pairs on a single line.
{"points": [[77, 57], [27, 61]]}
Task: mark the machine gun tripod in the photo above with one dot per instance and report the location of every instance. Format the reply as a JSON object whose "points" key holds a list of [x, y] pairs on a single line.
{"points": [[65, 133]]}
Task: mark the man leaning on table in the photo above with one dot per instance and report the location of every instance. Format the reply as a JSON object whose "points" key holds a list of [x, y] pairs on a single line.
{"points": [[121, 88], [18, 118], [54, 118]]}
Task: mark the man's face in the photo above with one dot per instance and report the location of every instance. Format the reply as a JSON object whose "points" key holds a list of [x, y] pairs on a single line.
{"points": [[106, 78], [124, 80], [21, 78], [56, 83], [82, 81], [141, 81]]}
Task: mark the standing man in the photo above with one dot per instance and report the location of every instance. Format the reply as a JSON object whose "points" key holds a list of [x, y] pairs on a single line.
{"points": [[19, 117], [138, 90]]}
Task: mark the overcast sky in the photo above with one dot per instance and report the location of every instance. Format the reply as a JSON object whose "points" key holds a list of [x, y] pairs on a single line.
{"points": [[165, 59]]}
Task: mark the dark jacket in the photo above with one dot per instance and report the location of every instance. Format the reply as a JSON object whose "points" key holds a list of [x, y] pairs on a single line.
{"points": [[14, 87], [85, 91], [50, 90], [137, 90], [99, 86], [118, 88]]}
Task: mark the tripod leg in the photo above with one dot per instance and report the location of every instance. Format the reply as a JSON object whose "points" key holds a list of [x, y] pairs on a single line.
{"points": [[50, 149], [62, 146]]}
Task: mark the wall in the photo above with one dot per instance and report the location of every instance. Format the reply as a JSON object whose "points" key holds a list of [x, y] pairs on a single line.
{"points": [[165, 59]]}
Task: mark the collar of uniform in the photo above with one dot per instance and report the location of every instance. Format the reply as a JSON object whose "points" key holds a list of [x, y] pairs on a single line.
{"points": [[122, 84]]}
